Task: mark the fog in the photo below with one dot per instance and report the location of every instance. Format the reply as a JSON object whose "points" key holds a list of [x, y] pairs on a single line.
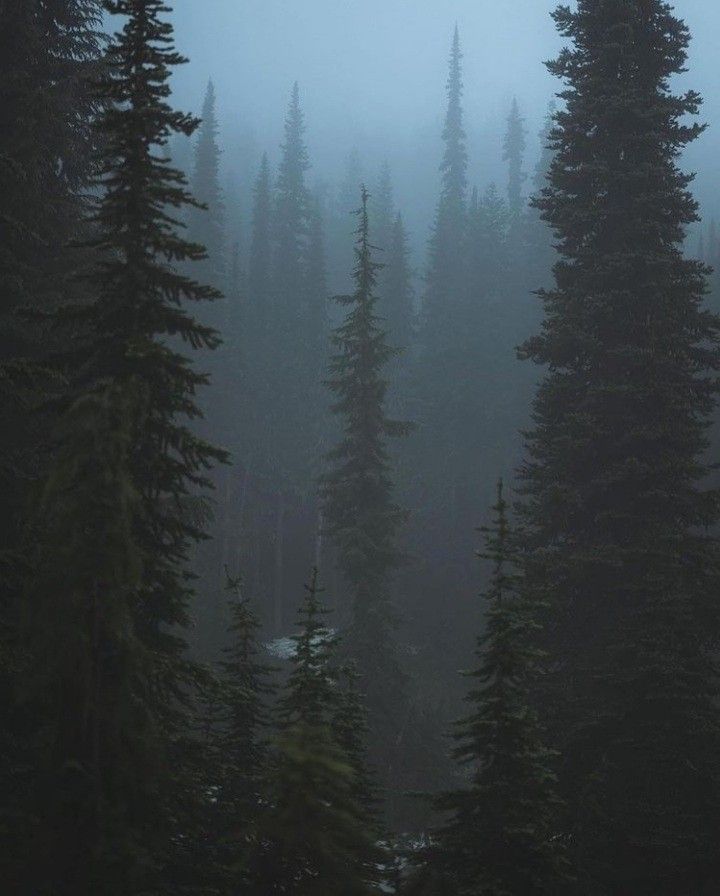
{"points": [[360, 401], [372, 76]]}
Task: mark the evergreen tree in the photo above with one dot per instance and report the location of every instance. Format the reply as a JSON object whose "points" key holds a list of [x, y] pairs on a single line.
{"points": [[440, 484], [207, 217], [140, 300], [362, 517], [616, 515], [48, 54], [445, 275], [350, 727], [319, 841], [290, 221], [97, 790], [316, 306], [255, 338], [382, 210], [244, 721], [296, 311], [397, 294], [502, 836], [514, 146], [539, 253]]}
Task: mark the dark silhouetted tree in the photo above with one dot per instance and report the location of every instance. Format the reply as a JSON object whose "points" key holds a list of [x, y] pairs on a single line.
{"points": [[140, 300], [502, 836], [514, 146], [615, 512], [319, 840], [362, 517]]}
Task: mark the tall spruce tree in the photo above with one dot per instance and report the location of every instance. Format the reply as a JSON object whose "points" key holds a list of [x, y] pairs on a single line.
{"points": [[362, 517], [49, 53], [382, 209], [615, 510], [97, 794], [206, 223], [397, 295], [514, 146], [440, 484], [319, 840], [260, 263], [502, 837], [141, 299], [446, 265]]}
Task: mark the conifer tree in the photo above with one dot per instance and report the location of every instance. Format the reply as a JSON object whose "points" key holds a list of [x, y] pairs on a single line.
{"points": [[443, 387], [296, 312], [97, 787], [290, 221], [502, 836], [382, 210], [260, 263], [206, 224], [49, 53], [140, 300], [514, 146], [319, 840], [243, 741], [397, 295], [615, 509], [351, 730], [362, 517], [445, 272]]}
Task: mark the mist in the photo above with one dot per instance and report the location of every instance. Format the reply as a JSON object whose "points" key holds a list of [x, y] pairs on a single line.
{"points": [[360, 399]]}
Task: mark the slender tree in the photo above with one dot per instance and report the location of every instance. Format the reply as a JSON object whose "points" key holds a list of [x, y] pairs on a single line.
{"points": [[362, 517], [140, 300], [397, 296], [260, 264], [514, 146], [616, 515], [243, 739], [319, 841], [445, 272], [502, 836], [206, 225], [382, 210]]}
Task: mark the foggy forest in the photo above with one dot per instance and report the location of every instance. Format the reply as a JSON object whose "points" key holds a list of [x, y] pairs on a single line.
{"points": [[359, 377]]}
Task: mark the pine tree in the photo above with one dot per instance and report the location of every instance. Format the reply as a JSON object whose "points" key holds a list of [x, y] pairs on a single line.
{"points": [[502, 837], [514, 146], [97, 787], [140, 300], [296, 312], [316, 310], [318, 841], [243, 739], [48, 54], [446, 267], [362, 517], [291, 219], [443, 389], [351, 730], [206, 226], [615, 511], [397, 294], [382, 210], [260, 264]]}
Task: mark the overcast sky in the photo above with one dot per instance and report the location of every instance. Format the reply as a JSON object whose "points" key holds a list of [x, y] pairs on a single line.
{"points": [[372, 73]]}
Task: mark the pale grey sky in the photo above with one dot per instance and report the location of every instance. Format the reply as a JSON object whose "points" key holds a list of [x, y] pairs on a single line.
{"points": [[372, 75]]}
